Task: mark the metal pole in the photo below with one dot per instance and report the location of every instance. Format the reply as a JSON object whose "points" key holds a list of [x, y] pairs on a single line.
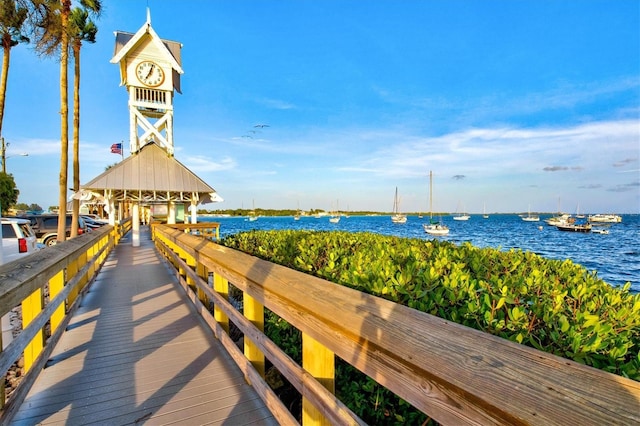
{"points": [[4, 158]]}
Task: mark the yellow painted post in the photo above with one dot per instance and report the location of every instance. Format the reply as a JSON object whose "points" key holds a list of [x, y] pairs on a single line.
{"points": [[82, 260], [254, 312], [221, 286], [56, 285], [202, 272], [320, 363], [31, 307], [72, 270], [191, 262], [92, 266]]}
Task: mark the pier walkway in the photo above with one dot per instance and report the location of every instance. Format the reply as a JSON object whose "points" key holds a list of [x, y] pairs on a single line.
{"points": [[135, 352]]}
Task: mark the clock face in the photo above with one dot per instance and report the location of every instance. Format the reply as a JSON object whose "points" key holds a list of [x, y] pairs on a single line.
{"points": [[149, 73]]}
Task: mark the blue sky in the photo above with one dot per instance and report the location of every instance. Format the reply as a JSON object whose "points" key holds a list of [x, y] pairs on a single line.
{"points": [[512, 104]]}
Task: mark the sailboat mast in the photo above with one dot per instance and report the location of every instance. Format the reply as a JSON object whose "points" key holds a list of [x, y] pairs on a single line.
{"points": [[430, 194]]}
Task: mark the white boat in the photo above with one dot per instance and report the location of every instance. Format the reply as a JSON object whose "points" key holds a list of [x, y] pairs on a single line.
{"points": [[484, 211], [252, 214], [560, 219], [397, 217], [461, 216], [531, 217], [433, 228], [335, 216], [605, 218], [600, 231]]}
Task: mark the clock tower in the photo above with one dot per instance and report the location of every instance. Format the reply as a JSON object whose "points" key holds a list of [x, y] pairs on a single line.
{"points": [[150, 69]]}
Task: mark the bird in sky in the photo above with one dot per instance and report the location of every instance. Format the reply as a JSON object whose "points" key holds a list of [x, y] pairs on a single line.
{"points": [[261, 125]]}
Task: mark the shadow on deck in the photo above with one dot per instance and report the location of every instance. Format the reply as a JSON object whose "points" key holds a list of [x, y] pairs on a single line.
{"points": [[135, 352]]}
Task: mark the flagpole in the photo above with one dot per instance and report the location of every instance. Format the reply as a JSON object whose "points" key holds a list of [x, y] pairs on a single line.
{"points": [[122, 150]]}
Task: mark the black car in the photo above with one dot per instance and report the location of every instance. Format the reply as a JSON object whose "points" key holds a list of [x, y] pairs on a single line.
{"points": [[46, 227]]}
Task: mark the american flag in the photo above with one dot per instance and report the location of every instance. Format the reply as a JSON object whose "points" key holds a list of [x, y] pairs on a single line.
{"points": [[116, 148]]}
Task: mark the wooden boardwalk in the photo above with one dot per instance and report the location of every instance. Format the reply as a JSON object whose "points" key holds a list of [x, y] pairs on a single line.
{"points": [[136, 353]]}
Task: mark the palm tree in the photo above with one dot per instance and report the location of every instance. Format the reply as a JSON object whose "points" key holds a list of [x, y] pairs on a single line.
{"points": [[12, 20], [53, 31], [81, 28]]}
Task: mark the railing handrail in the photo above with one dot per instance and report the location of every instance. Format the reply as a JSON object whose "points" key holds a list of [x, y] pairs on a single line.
{"points": [[455, 374], [66, 268]]}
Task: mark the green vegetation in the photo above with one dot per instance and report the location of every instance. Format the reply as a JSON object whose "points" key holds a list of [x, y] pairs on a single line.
{"points": [[287, 212], [8, 192], [555, 306]]}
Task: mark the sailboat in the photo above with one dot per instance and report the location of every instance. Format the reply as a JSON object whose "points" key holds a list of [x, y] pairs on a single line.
{"points": [[397, 217], [462, 215], [335, 217], [252, 213], [297, 215], [531, 218], [433, 228], [484, 211]]}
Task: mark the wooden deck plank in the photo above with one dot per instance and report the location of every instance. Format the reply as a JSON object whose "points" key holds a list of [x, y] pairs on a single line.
{"points": [[136, 351]]}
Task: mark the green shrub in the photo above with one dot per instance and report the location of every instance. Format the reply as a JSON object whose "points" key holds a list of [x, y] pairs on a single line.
{"points": [[555, 306]]}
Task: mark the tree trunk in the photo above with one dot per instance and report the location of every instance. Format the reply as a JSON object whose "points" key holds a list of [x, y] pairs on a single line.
{"points": [[64, 122], [6, 47], [76, 135]]}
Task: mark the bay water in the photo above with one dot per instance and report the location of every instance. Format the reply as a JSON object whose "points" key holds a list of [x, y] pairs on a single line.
{"points": [[614, 256]]}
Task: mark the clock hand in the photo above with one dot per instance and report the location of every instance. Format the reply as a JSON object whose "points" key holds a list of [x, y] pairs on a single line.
{"points": [[150, 71]]}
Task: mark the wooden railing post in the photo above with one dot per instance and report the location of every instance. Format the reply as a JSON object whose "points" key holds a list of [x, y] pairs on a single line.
{"points": [[203, 273], [221, 286], [31, 307], [72, 270], [254, 312], [191, 262], [56, 284], [318, 361]]}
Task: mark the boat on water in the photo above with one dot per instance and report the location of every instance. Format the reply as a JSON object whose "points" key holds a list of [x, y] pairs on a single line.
{"points": [[600, 231], [461, 216], [252, 214], [434, 228], [397, 217], [531, 217], [484, 211], [335, 216], [575, 227], [560, 219], [605, 218]]}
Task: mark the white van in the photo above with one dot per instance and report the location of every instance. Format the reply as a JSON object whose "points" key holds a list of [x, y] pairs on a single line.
{"points": [[18, 239]]}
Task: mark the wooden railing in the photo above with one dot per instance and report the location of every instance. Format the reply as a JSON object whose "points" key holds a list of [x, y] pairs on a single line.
{"points": [[208, 230], [64, 270], [454, 374]]}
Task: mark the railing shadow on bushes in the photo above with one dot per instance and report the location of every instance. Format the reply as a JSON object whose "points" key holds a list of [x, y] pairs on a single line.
{"points": [[48, 286], [452, 373]]}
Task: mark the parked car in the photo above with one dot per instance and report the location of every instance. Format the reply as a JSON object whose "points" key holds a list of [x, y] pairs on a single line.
{"points": [[46, 227], [18, 239], [91, 222]]}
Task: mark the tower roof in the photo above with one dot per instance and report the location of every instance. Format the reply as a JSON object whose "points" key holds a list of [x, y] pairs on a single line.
{"points": [[151, 175]]}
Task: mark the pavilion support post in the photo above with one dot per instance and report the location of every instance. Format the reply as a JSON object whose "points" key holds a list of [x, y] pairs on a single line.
{"points": [[194, 211], [112, 211], [135, 235], [171, 217]]}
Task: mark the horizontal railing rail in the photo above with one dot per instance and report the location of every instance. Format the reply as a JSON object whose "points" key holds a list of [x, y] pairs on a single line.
{"points": [[208, 230], [62, 270], [454, 374]]}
